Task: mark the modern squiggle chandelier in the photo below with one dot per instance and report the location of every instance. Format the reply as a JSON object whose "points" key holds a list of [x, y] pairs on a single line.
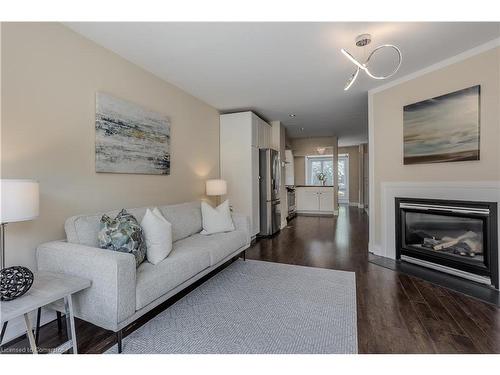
{"points": [[362, 41]]}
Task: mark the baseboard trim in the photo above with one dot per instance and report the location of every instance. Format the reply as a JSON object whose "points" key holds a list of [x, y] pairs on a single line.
{"points": [[284, 224], [375, 249], [315, 213]]}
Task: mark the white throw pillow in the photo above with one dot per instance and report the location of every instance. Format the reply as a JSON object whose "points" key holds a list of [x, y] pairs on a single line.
{"points": [[158, 234], [216, 220]]}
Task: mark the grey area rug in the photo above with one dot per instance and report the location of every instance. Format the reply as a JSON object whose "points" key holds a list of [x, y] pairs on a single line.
{"points": [[257, 307]]}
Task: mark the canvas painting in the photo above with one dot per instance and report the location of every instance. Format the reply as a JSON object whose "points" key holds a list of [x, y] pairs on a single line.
{"points": [[129, 138], [442, 129]]}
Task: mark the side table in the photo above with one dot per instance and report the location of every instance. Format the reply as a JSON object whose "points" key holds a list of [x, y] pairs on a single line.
{"points": [[48, 287]]}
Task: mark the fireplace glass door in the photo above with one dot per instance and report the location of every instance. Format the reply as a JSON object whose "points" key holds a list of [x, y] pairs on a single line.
{"points": [[447, 236], [456, 235]]}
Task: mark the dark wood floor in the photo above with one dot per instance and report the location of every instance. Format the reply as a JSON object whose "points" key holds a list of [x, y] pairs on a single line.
{"points": [[396, 313]]}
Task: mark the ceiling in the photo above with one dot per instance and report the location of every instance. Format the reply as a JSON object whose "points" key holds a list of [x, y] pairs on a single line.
{"points": [[283, 68]]}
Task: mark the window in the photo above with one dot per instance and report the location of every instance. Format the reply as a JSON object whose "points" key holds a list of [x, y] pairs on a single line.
{"points": [[343, 178], [318, 166], [323, 164]]}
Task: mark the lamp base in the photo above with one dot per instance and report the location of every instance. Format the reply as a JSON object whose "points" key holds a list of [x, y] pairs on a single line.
{"points": [[14, 282]]}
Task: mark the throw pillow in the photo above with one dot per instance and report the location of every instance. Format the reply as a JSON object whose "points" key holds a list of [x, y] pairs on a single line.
{"points": [[158, 234], [123, 234], [216, 220]]}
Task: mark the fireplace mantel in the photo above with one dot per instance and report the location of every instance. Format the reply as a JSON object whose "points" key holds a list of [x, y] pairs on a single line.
{"points": [[453, 190]]}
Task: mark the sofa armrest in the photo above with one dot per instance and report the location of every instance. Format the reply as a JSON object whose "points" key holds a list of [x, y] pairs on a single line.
{"points": [[111, 297], [242, 222]]}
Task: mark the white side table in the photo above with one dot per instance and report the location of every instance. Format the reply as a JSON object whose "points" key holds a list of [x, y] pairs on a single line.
{"points": [[48, 287]]}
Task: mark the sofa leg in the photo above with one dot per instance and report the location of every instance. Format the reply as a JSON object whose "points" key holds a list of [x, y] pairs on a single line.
{"points": [[59, 322], [119, 340]]}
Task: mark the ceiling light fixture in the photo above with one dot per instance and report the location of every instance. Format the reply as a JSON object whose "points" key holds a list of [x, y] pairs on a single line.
{"points": [[292, 115], [321, 150], [362, 41]]}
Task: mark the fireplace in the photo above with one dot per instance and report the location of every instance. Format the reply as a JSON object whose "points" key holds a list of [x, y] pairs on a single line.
{"points": [[457, 237]]}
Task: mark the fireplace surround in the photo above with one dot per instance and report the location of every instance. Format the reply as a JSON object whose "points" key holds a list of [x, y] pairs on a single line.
{"points": [[452, 236]]}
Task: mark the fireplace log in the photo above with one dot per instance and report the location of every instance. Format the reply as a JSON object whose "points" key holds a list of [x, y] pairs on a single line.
{"points": [[445, 245], [430, 243], [450, 241]]}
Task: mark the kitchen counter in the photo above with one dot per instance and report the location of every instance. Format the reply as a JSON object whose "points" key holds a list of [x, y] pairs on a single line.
{"points": [[315, 186], [315, 199]]}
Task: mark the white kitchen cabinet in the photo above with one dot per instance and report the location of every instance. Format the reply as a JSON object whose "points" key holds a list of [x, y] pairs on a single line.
{"points": [[289, 168], [241, 136], [263, 133], [314, 199], [326, 201], [254, 127], [307, 199]]}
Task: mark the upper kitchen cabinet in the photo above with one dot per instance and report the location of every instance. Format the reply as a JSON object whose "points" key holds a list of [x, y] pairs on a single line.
{"points": [[289, 168], [242, 134], [261, 132]]}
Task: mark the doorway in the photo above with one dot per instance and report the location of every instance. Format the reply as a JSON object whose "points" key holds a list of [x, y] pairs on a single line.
{"points": [[343, 181]]}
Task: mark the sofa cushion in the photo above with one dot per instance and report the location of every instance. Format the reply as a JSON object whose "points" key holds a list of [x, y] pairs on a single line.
{"points": [[185, 219], [219, 245], [158, 234], [153, 281], [216, 219], [123, 234]]}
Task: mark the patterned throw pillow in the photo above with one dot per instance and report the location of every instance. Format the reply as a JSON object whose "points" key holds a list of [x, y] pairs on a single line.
{"points": [[123, 234]]}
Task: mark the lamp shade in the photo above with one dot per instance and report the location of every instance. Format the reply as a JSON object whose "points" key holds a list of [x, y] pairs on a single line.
{"points": [[20, 200], [216, 187]]}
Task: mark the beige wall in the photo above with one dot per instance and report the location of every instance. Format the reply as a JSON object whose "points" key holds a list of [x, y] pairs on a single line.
{"points": [[353, 152], [308, 146], [302, 147], [299, 170], [387, 109], [365, 179], [49, 79]]}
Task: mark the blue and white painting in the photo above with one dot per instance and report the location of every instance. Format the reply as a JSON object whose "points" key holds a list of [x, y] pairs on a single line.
{"points": [[129, 138], [442, 129]]}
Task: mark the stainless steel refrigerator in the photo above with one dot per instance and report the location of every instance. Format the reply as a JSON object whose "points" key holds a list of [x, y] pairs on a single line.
{"points": [[269, 181]]}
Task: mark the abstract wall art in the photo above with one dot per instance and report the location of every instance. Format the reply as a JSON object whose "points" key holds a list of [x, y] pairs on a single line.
{"points": [[129, 138], [443, 129]]}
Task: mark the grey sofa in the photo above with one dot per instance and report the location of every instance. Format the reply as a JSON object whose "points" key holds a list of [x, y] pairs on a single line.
{"points": [[120, 293]]}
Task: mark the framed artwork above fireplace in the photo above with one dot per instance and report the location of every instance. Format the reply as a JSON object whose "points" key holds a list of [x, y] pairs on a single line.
{"points": [[443, 129]]}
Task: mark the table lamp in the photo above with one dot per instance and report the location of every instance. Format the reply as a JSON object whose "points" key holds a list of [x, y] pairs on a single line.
{"points": [[216, 187], [19, 202]]}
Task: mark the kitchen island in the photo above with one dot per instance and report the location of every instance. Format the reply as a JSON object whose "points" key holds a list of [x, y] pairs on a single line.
{"points": [[315, 199]]}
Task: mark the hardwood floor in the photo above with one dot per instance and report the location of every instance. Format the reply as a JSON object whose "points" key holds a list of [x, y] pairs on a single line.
{"points": [[396, 313]]}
